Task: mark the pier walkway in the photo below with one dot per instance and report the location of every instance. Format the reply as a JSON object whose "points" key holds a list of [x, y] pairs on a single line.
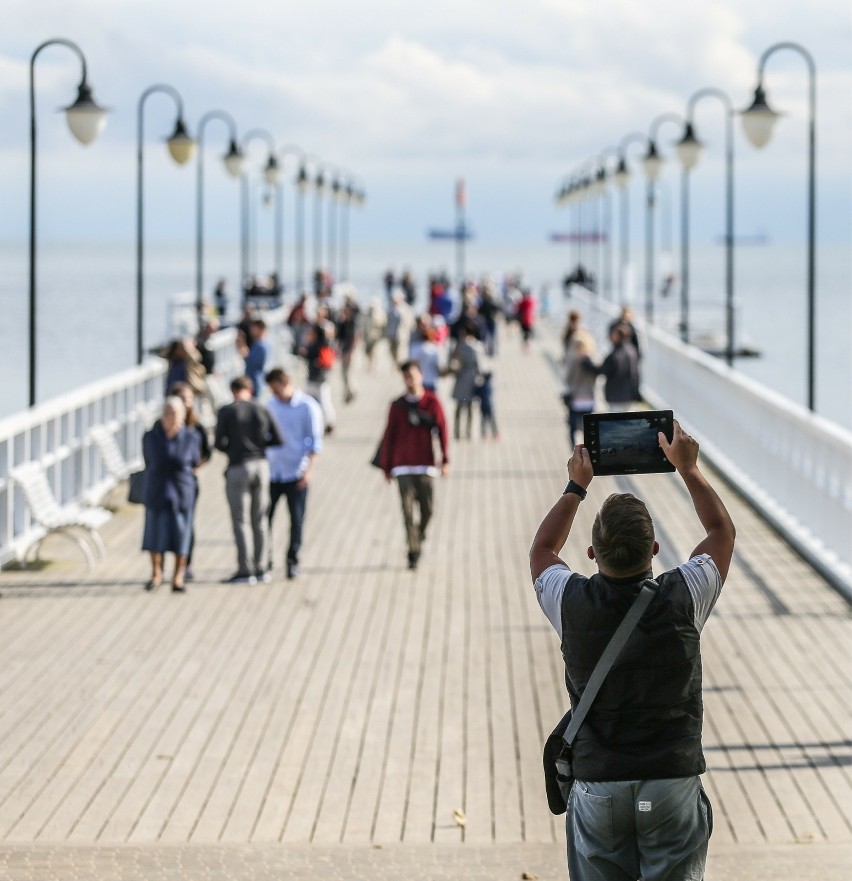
{"points": [[335, 726]]}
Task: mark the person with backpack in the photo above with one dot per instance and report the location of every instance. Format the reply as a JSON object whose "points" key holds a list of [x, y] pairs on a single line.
{"points": [[406, 454]]}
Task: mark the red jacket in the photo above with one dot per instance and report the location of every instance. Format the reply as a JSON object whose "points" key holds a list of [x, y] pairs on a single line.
{"points": [[526, 311], [408, 436]]}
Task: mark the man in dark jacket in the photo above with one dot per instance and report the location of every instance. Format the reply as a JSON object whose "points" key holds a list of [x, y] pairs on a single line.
{"points": [[636, 808], [406, 453], [621, 371], [244, 429]]}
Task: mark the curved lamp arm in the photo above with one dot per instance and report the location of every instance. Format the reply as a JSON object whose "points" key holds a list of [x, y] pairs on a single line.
{"points": [[652, 161], [622, 172], [86, 121]]}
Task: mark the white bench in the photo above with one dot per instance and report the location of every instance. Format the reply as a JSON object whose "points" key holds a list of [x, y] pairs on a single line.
{"points": [[116, 466], [73, 520], [217, 394]]}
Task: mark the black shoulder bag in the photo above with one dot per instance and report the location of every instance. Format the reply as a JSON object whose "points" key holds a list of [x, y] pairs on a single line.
{"points": [[558, 767]]}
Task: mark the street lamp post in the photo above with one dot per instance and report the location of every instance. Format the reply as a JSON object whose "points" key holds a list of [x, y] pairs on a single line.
{"points": [[758, 122], [602, 191], [622, 181], [272, 176], [357, 198], [351, 194], [334, 202], [255, 134], [582, 195], [575, 200], [234, 161], [347, 194], [319, 189], [86, 121], [275, 178], [652, 163], [303, 184], [182, 148], [689, 150]]}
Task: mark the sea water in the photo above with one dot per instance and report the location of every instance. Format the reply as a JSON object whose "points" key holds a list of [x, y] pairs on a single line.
{"points": [[86, 326]]}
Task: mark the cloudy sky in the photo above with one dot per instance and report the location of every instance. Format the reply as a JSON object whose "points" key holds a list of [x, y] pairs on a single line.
{"points": [[511, 95]]}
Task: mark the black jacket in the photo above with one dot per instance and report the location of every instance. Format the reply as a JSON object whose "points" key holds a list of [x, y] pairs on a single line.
{"points": [[645, 723]]}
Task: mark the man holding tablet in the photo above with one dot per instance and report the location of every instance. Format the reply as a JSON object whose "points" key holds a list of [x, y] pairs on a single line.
{"points": [[636, 808]]}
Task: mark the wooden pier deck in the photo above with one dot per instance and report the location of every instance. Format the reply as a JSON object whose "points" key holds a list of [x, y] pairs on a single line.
{"points": [[330, 727]]}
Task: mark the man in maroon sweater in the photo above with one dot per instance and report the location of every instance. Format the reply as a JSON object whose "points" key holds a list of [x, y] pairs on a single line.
{"points": [[406, 453]]}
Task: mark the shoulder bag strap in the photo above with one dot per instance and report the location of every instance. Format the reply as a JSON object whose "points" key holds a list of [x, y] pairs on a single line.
{"points": [[611, 652]]}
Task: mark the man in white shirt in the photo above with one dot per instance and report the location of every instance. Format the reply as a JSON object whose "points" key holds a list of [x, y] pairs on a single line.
{"points": [[636, 808], [291, 465]]}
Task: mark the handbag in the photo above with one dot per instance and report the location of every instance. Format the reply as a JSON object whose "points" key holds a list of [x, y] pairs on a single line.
{"points": [[557, 758], [136, 487]]}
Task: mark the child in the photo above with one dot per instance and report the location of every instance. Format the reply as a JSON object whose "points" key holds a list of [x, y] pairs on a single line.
{"points": [[485, 394]]}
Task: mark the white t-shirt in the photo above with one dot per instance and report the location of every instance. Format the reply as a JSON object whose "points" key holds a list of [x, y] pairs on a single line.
{"points": [[700, 574]]}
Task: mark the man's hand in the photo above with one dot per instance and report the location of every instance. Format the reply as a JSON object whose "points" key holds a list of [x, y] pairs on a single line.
{"points": [[553, 531], [445, 469], [682, 452], [580, 467]]}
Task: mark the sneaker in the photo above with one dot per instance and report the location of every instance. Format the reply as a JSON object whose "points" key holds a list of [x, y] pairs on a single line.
{"points": [[240, 578], [292, 570], [188, 574], [263, 577]]}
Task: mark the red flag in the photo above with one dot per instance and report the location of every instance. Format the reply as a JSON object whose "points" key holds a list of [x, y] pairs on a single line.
{"points": [[461, 193]]}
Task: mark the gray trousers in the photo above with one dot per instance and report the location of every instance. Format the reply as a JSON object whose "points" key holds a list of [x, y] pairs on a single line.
{"points": [[415, 489], [247, 488], [653, 830]]}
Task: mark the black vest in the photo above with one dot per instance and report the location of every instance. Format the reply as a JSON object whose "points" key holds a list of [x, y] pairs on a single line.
{"points": [[645, 723]]}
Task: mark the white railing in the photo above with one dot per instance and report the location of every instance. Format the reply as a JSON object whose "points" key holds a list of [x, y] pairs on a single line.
{"points": [[57, 433], [794, 466]]}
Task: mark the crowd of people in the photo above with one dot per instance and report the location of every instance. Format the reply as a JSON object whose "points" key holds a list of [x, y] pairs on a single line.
{"points": [[620, 369], [274, 428]]}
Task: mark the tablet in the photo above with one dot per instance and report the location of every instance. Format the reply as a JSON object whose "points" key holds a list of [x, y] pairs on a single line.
{"points": [[627, 443]]}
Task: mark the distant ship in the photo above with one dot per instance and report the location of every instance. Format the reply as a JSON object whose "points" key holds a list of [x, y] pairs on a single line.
{"points": [[592, 237], [464, 234]]}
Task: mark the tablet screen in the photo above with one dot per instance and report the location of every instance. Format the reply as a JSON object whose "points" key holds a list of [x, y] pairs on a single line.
{"points": [[627, 443]]}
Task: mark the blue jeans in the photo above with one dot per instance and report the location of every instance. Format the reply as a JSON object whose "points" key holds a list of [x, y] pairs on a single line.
{"points": [[296, 501], [656, 830]]}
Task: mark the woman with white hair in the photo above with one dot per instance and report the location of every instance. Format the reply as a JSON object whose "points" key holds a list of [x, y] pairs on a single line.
{"points": [[172, 452]]}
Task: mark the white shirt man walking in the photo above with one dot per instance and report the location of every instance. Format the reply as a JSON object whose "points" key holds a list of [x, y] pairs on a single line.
{"points": [[291, 464]]}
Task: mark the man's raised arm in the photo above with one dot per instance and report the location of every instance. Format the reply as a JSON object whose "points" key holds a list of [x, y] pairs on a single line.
{"points": [[682, 452], [553, 531]]}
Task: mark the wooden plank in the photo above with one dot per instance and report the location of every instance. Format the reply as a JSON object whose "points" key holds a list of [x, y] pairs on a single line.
{"points": [[181, 674], [335, 715], [138, 698], [156, 786], [40, 752]]}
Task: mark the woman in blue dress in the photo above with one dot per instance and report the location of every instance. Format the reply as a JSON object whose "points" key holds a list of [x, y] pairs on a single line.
{"points": [[172, 453]]}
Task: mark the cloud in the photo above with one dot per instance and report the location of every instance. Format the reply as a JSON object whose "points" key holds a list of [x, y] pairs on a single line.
{"points": [[517, 93]]}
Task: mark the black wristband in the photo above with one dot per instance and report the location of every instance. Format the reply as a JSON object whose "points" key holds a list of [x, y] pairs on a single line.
{"points": [[576, 489]]}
